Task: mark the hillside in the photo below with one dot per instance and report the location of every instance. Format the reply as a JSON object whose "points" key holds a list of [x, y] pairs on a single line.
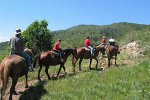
{"points": [[4, 50], [123, 32], [128, 80]]}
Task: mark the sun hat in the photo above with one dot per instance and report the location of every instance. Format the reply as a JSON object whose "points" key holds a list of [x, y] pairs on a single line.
{"points": [[18, 31], [103, 37]]}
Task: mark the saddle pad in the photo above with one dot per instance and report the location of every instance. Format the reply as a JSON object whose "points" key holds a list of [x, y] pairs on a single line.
{"points": [[55, 53], [86, 48]]}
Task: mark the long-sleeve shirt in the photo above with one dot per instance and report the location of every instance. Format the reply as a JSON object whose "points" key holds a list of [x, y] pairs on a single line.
{"points": [[87, 42], [17, 44], [56, 46]]}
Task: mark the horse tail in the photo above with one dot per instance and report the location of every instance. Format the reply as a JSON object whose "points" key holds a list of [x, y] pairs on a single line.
{"points": [[5, 75], [36, 57], [74, 55]]}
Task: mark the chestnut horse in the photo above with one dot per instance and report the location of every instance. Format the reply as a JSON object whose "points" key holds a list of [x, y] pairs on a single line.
{"points": [[47, 58], [112, 51], [84, 53], [13, 66]]}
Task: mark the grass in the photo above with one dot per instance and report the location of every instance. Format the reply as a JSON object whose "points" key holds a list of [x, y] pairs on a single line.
{"points": [[118, 83], [128, 82]]}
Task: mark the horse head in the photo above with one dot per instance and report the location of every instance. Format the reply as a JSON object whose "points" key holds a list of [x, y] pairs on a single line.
{"points": [[70, 51], [118, 50]]}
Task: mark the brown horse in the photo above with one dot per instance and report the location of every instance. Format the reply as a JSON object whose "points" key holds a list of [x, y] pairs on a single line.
{"points": [[12, 66], [48, 58], [84, 53], [112, 51]]}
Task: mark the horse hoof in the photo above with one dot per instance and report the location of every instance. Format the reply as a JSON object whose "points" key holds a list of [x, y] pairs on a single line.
{"points": [[26, 86], [15, 93], [39, 80], [49, 78]]}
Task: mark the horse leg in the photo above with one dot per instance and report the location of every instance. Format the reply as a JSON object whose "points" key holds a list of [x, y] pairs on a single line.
{"points": [[108, 56], [80, 63], [39, 73], [46, 71], [90, 63], [59, 69], [96, 63], [115, 60], [12, 89], [26, 82], [64, 69], [74, 65]]}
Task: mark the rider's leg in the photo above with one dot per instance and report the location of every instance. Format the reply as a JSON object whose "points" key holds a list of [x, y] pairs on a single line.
{"points": [[11, 52], [91, 50], [28, 59]]}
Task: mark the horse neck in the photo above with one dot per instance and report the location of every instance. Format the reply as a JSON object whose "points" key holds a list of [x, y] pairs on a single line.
{"points": [[67, 52], [99, 49]]}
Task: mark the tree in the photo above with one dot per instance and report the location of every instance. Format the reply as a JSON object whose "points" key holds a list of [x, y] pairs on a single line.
{"points": [[37, 36]]}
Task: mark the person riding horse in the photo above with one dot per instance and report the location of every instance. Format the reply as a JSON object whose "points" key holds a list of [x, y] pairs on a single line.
{"points": [[112, 41], [87, 45], [104, 45], [57, 49], [17, 46]]}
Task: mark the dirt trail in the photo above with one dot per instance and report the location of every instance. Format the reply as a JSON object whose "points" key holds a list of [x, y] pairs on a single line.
{"points": [[20, 87]]}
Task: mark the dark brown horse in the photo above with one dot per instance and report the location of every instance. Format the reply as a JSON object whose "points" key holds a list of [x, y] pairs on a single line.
{"points": [[12, 66], [48, 58], [84, 53], [112, 51]]}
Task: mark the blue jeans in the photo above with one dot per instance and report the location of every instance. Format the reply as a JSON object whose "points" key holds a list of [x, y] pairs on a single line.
{"points": [[91, 50]]}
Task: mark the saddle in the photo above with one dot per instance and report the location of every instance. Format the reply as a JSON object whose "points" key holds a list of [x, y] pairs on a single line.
{"points": [[55, 53], [86, 48]]}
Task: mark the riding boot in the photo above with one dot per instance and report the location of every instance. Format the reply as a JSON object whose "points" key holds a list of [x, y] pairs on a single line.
{"points": [[30, 68], [61, 57]]}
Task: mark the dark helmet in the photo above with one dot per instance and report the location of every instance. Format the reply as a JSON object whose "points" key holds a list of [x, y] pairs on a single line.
{"points": [[59, 39]]}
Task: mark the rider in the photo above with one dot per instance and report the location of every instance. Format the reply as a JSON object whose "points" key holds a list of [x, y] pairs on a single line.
{"points": [[87, 44], [17, 46], [112, 41], [57, 49], [103, 40], [103, 43]]}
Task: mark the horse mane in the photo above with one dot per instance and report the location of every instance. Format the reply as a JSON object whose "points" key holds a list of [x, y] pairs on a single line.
{"points": [[67, 50]]}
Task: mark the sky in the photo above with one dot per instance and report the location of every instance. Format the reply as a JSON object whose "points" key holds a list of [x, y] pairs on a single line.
{"points": [[63, 14]]}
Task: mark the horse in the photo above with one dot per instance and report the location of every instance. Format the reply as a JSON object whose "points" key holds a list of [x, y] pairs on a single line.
{"points": [[13, 66], [48, 58], [112, 51], [84, 53]]}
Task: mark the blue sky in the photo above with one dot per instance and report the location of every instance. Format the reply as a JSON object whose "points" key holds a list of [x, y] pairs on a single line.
{"points": [[63, 14]]}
